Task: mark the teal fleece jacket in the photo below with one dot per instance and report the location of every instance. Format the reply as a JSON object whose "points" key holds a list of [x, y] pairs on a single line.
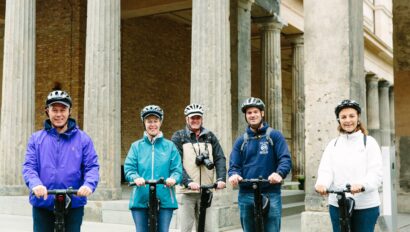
{"points": [[153, 160]]}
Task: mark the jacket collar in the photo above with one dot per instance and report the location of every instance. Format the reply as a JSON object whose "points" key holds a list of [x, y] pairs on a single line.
{"points": [[71, 127], [159, 136], [190, 133], [357, 134], [260, 131]]}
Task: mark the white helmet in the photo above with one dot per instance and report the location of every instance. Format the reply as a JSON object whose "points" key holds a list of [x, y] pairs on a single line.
{"points": [[59, 96], [152, 110], [194, 109]]}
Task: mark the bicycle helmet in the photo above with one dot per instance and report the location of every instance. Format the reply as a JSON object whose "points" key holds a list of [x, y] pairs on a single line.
{"points": [[194, 109], [252, 102], [152, 110], [347, 104], [58, 96]]}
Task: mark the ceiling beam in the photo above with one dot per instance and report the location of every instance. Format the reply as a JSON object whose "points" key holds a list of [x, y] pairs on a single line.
{"points": [[139, 8]]}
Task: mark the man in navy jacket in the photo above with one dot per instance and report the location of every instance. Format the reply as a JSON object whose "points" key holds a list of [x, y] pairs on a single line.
{"points": [[261, 152]]}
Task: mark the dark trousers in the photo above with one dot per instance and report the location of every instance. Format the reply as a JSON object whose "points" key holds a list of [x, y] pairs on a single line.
{"points": [[363, 220], [43, 220]]}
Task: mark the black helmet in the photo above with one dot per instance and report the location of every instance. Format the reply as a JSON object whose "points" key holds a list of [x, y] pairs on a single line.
{"points": [[347, 104], [58, 96], [194, 109], [252, 102], [152, 110]]}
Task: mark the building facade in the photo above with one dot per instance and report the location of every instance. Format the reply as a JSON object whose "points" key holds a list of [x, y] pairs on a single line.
{"points": [[114, 57]]}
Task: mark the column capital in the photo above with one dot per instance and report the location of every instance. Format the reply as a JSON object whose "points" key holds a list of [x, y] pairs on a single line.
{"points": [[245, 4], [384, 84], [372, 80], [270, 23], [371, 77], [295, 39]]}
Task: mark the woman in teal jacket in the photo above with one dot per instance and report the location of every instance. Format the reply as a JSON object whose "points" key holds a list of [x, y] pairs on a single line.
{"points": [[149, 158]]}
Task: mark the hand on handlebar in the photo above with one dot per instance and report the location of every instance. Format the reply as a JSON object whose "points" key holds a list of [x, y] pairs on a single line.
{"points": [[170, 182], [322, 190], [139, 181], [220, 185], [194, 186], [84, 191], [275, 178], [40, 191], [356, 188], [235, 179]]}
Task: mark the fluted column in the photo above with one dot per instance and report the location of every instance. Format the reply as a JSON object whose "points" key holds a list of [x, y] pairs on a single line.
{"points": [[272, 71], [392, 121], [17, 112], [384, 113], [298, 106], [210, 66], [244, 58], [372, 104], [102, 100]]}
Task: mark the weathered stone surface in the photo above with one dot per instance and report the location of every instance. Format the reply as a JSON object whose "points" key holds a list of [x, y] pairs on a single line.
{"points": [[102, 99], [17, 112]]}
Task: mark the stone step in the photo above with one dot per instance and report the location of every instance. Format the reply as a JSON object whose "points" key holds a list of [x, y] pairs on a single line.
{"points": [[292, 208], [117, 212], [291, 196]]}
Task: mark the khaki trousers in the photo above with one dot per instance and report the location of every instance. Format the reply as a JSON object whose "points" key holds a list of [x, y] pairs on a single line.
{"points": [[189, 213]]}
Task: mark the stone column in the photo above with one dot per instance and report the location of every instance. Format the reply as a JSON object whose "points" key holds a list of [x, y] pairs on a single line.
{"points": [[272, 70], [298, 106], [102, 100], [244, 56], [17, 112], [210, 66], [334, 71], [384, 109], [401, 58], [211, 85], [392, 124], [373, 119]]}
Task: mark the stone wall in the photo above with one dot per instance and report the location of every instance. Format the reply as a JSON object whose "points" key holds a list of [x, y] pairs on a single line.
{"points": [[60, 53], [155, 69]]}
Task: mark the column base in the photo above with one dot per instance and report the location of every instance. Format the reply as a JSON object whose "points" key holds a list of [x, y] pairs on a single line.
{"points": [[13, 190], [315, 222], [404, 199], [103, 194]]}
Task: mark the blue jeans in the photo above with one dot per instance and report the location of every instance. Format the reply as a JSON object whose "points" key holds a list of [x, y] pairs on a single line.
{"points": [[271, 221], [141, 217], [43, 220], [363, 220]]}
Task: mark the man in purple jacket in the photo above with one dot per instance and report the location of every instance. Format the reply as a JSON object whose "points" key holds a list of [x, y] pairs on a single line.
{"points": [[58, 157]]}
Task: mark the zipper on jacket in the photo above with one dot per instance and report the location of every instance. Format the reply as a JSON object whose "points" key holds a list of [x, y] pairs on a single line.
{"points": [[172, 195], [152, 159]]}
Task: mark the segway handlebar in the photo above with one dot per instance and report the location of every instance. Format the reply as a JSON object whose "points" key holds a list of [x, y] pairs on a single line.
{"points": [[158, 181]]}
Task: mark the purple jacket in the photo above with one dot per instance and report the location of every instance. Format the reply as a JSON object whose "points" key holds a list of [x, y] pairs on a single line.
{"points": [[60, 161]]}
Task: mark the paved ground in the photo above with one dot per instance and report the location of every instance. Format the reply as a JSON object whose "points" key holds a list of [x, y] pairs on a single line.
{"points": [[13, 223]]}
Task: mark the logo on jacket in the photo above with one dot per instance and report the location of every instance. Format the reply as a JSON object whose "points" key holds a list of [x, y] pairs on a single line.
{"points": [[264, 148]]}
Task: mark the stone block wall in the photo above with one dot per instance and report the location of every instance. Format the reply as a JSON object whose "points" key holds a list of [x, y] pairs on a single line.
{"points": [[60, 53], [155, 69]]}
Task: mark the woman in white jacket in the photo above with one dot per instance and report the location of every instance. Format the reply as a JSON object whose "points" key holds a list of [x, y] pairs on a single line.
{"points": [[352, 158]]}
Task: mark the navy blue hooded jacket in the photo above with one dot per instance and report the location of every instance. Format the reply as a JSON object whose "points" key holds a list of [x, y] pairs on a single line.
{"points": [[260, 158]]}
